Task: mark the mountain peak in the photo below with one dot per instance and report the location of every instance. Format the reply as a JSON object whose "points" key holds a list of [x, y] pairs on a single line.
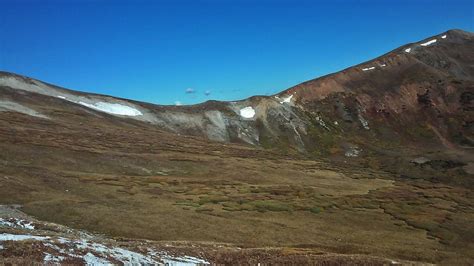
{"points": [[440, 64]]}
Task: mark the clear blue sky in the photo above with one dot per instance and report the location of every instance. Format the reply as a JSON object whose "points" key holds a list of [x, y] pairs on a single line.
{"points": [[155, 50]]}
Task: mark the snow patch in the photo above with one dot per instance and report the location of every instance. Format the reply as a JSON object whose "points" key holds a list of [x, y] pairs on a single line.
{"points": [[383, 65], [443, 37], [51, 258], [183, 261], [247, 112], [287, 99], [364, 122], [13, 222], [11, 237], [123, 255], [113, 108], [368, 68], [428, 42], [99, 254], [407, 50], [90, 259]]}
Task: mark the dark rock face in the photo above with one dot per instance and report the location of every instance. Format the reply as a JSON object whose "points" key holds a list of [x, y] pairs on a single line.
{"points": [[425, 99]]}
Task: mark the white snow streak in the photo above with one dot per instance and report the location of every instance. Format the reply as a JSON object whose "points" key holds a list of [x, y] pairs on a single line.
{"points": [[368, 68], [113, 108], [443, 37], [407, 50], [428, 42], [90, 259], [183, 261], [10, 237]]}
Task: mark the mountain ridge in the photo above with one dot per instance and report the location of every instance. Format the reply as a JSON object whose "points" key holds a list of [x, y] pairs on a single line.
{"points": [[285, 118], [457, 31]]}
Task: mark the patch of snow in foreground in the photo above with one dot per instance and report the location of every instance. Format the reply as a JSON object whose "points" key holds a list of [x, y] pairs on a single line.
{"points": [[123, 255], [61, 97], [52, 258], [113, 108], [383, 65], [90, 259], [407, 50], [13, 222], [183, 261], [443, 37], [428, 42], [10, 237], [247, 112], [99, 254], [368, 68], [287, 99]]}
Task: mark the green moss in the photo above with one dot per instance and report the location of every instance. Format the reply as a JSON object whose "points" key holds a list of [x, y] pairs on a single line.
{"points": [[212, 199], [204, 209], [315, 210], [186, 203], [268, 205]]}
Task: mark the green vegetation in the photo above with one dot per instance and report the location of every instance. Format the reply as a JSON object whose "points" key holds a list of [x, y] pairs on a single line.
{"points": [[315, 210], [263, 206]]}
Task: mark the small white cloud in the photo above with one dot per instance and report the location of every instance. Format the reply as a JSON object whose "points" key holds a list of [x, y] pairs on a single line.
{"points": [[207, 93], [190, 90], [178, 103]]}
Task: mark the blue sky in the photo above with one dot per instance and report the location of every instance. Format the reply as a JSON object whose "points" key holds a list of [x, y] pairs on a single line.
{"points": [[193, 51]]}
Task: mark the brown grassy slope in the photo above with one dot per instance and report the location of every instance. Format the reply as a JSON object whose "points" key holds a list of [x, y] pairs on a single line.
{"points": [[128, 179]]}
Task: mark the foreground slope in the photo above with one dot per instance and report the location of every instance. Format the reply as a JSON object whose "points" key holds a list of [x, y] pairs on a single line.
{"points": [[373, 160]]}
